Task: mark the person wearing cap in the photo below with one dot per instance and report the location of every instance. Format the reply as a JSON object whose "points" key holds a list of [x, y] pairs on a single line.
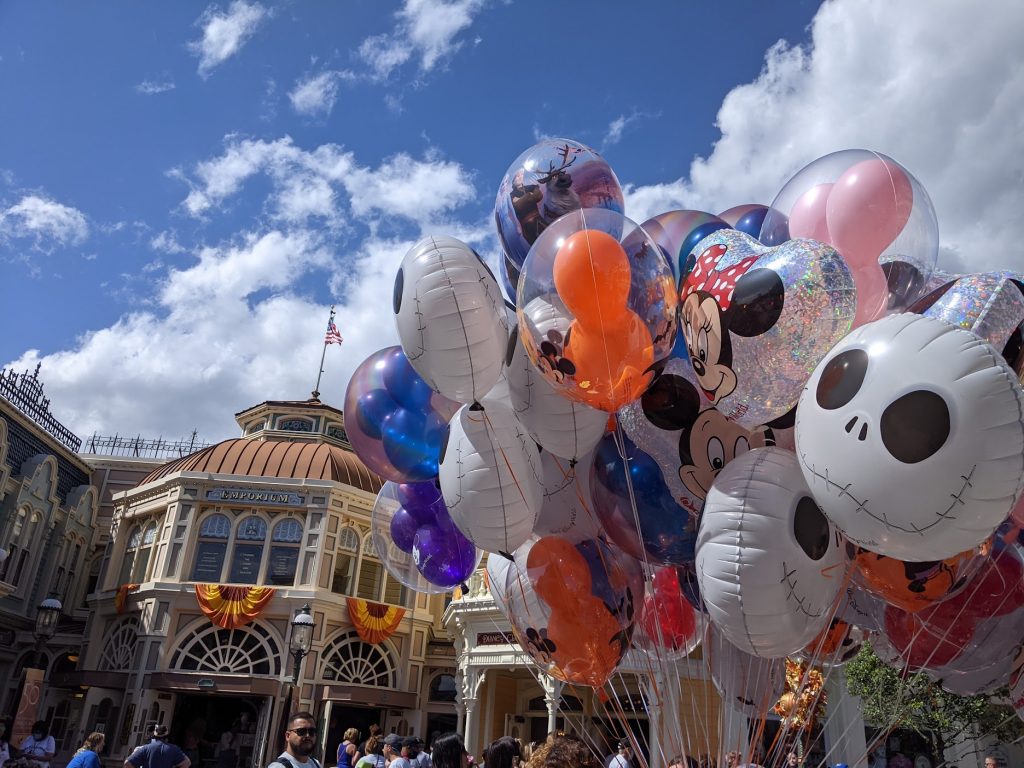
{"points": [[159, 753], [417, 757], [393, 744], [300, 741]]}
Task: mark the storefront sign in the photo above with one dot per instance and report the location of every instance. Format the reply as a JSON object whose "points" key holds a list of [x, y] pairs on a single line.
{"points": [[262, 496], [495, 638], [28, 707]]}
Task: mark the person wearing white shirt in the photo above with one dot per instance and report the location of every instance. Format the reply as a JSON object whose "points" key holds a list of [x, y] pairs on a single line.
{"points": [[622, 759], [39, 746]]}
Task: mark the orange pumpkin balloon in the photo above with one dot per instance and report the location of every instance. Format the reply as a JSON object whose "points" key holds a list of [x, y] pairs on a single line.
{"points": [[911, 586], [592, 277]]}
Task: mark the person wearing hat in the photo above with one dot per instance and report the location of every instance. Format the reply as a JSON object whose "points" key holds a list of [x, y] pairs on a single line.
{"points": [[159, 753], [417, 757], [393, 744]]}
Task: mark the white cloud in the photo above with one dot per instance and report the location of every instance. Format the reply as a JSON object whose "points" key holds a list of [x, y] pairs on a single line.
{"points": [[166, 242], [428, 29], [896, 79], [315, 95], [151, 87], [224, 34], [45, 221]]}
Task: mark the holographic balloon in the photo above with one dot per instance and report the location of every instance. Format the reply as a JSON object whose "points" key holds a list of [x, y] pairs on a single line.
{"points": [[395, 423], [547, 181]]}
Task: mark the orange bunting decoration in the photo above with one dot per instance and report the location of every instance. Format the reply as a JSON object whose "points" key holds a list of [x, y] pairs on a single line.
{"points": [[121, 601], [804, 700], [232, 607], [374, 622]]}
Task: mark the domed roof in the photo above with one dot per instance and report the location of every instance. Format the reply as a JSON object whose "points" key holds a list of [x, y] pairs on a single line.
{"points": [[275, 458]]}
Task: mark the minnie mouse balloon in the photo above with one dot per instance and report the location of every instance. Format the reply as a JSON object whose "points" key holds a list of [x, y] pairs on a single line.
{"points": [[451, 318], [910, 436], [756, 319], [770, 564]]}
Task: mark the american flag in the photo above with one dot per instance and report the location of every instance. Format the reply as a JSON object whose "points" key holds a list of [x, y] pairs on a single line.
{"points": [[332, 336]]}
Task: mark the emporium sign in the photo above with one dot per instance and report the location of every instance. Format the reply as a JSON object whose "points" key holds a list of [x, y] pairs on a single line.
{"points": [[257, 496]]}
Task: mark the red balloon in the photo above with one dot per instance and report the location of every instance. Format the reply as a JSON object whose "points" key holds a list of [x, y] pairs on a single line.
{"points": [[930, 638], [667, 616]]}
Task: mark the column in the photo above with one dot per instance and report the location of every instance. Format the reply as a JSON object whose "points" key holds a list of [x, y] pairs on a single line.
{"points": [[552, 699], [844, 727], [656, 743], [472, 681]]}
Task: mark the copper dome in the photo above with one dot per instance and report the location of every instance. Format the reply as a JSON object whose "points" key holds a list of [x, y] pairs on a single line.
{"points": [[274, 458]]}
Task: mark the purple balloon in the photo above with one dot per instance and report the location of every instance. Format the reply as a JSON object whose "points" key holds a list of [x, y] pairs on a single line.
{"points": [[403, 530], [421, 500], [443, 555]]}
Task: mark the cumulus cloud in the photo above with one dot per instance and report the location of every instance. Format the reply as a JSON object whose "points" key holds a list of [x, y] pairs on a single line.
{"points": [[151, 87], [224, 34], [316, 94], [44, 221], [313, 184], [427, 29], [893, 79]]}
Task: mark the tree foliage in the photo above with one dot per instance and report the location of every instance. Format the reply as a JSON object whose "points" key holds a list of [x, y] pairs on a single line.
{"points": [[894, 699]]}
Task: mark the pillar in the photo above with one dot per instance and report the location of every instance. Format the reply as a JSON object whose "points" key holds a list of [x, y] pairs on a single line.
{"points": [[552, 699], [472, 680]]}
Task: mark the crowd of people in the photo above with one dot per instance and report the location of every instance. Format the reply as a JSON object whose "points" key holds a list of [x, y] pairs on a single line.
{"points": [[376, 751]]}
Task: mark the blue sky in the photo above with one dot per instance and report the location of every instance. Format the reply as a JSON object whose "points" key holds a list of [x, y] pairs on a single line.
{"points": [[185, 188]]}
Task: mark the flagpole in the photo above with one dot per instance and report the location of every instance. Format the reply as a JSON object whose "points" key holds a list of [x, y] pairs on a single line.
{"points": [[323, 355]]}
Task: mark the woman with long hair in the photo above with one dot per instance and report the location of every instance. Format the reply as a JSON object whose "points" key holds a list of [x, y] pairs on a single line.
{"points": [[87, 755], [502, 753], [449, 752], [348, 750], [564, 752]]}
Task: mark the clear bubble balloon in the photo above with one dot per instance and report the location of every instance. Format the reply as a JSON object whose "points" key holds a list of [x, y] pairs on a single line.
{"points": [[430, 554], [547, 181], [875, 213], [597, 307], [395, 423]]}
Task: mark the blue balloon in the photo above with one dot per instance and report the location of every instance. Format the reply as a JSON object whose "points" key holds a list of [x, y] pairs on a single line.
{"points": [[408, 445], [666, 535], [404, 384], [403, 530], [751, 221], [371, 411], [687, 259]]}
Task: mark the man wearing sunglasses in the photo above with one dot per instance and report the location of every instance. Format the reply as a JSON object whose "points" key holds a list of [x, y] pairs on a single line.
{"points": [[300, 741]]}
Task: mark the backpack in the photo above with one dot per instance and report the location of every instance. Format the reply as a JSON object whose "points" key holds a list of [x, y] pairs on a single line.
{"points": [[287, 763]]}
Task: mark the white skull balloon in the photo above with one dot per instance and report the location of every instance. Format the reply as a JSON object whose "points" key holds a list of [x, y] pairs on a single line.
{"points": [[910, 436]]}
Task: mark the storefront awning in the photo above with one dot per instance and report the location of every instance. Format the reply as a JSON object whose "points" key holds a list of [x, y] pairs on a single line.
{"points": [[370, 696], [201, 681], [89, 678]]}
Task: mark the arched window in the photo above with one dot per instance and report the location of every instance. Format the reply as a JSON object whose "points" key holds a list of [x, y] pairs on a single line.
{"points": [[250, 538], [296, 425], [130, 551], [19, 546], [248, 650], [347, 659], [211, 549], [345, 561], [284, 552], [442, 688]]}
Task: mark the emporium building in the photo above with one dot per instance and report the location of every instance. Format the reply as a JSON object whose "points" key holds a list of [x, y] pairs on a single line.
{"points": [[212, 556]]}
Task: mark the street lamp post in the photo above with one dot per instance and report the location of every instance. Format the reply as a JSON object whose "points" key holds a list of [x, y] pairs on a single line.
{"points": [[47, 615], [298, 645]]}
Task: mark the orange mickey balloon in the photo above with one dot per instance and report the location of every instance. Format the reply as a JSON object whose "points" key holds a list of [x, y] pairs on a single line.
{"points": [[612, 367], [559, 573], [911, 586], [588, 643], [592, 277]]}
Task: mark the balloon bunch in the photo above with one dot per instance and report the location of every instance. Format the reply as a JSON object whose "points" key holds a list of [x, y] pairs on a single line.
{"points": [[777, 430]]}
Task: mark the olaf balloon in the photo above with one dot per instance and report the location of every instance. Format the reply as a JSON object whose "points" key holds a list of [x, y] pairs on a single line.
{"points": [[770, 563], [451, 318], [910, 436]]}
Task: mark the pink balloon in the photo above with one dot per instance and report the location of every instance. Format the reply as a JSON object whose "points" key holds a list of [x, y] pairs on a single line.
{"points": [[872, 293], [807, 219], [867, 208]]}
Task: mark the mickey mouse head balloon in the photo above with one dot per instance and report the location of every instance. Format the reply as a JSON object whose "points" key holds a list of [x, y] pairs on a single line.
{"points": [[910, 436]]}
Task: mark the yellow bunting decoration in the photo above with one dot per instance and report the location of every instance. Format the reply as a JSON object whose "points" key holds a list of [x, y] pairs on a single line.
{"points": [[232, 607], [374, 622], [121, 601], [804, 700]]}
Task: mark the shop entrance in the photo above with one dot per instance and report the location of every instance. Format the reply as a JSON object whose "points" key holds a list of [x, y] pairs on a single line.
{"points": [[201, 720], [343, 717]]}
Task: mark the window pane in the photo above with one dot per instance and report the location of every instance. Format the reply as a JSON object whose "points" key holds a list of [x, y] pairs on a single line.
{"points": [[289, 530], [209, 561], [442, 688], [215, 527], [394, 592], [282, 565], [136, 538], [344, 570], [370, 577], [126, 568], [149, 535], [141, 563], [349, 540], [252, 529], [245, 564]]}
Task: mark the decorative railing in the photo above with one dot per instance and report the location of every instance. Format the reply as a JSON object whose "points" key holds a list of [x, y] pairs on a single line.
{"points": [[25, 392], [139, 447]]}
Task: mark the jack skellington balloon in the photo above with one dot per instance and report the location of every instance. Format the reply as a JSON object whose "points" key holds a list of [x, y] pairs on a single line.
{"points": [[770, 564], [911, 437]]}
